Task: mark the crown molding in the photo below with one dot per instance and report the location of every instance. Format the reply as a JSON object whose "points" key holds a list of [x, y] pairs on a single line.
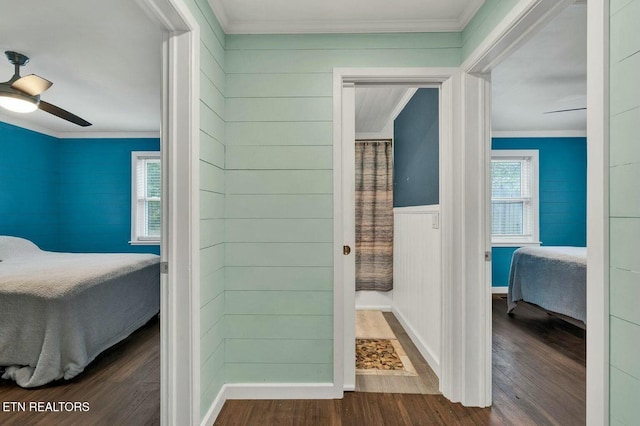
{"points": [[109, 135], [343, 26], [25, 124], [539, 133]]}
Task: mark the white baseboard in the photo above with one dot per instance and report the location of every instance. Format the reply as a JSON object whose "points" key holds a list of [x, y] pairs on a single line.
{"points": [[282, 391], [499, 290], [383, 308], [216, 407], [423, 348]]}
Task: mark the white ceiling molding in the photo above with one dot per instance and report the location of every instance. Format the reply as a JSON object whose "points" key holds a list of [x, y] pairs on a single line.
{"points": [[26, 124], [108, 135], [218, 9], [539, 134], [29, 125], [340, 23]]}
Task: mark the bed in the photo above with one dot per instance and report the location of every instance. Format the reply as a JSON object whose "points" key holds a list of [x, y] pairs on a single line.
{"points": [[554, 278], [58, 311]]}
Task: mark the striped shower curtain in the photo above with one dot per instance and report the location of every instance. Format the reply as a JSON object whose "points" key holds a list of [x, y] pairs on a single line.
{"points": [[374, 215]]}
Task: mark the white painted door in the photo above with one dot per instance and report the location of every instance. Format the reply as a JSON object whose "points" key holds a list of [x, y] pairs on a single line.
{"points": [[349, 234]]}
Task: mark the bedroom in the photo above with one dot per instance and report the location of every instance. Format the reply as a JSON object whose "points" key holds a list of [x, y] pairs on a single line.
{"points": [[539, 153], [68, 188]]}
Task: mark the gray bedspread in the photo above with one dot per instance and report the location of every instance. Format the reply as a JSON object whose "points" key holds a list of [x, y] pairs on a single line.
{"points": [[58, 311], [554, 278]]}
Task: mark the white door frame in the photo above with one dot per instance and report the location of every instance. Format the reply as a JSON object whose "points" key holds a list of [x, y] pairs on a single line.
{"points": [[466, 321], [457, 356], [179, 299]]}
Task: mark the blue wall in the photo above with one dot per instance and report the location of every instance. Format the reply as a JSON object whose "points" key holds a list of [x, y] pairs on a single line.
{"points": [[95, 194], [416, 147], [563, 195], [68, 194], [29, 185]]}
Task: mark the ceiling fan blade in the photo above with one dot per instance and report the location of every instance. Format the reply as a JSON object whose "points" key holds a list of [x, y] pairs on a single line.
{"points": [[31, 84], [65, 115], [565, 110]]}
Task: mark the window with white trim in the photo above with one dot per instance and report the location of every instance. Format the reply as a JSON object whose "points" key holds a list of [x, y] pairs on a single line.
{"points": [[146, 192], [514, 197]]}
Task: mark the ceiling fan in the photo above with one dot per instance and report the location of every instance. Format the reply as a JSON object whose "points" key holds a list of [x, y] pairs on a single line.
{"points": [[22, 94], [565, 110]]}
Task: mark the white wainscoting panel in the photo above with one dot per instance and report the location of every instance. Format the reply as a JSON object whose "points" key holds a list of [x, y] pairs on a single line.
{"points": [[417, 278]]}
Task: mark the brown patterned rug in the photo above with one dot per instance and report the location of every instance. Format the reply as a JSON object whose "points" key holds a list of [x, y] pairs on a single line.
{"points": [[377, 354], [382, 356]]}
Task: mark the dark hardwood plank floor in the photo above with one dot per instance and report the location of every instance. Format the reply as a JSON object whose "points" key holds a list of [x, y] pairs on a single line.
{"points": [[122, 387], [538, 379], [538, 372]]}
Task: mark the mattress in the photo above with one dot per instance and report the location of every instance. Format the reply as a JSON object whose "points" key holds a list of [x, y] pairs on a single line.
{"points": [[554, 278], [58, 311]]}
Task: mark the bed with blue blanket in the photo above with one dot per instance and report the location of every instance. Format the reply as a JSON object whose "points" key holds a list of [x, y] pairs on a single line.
{"points": [[554, 278], [58, 311]]}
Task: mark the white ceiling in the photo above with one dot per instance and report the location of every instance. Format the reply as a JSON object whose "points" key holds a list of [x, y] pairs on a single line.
{"points": [[342, 16], [547, 73], [104, 58], [376, 106]]}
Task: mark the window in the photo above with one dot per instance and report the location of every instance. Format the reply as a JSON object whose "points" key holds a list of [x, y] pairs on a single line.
{"points": [[145, 197], [514, 197]]}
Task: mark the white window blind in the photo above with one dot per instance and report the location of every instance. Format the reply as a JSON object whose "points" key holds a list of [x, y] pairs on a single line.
{"points": [[514, 196], [146, 198]]}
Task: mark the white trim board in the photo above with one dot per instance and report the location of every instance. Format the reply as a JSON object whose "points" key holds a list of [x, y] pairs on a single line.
{"points": [[422, 347], [538, 133], [598, 213], [499, 290], [77, 135], [240, 26], [179, 297]]}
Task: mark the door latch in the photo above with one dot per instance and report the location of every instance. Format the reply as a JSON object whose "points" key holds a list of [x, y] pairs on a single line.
{"points": [[346, 250]]}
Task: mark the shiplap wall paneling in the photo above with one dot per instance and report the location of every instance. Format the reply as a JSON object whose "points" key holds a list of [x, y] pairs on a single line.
{"points": [[625, 212]]}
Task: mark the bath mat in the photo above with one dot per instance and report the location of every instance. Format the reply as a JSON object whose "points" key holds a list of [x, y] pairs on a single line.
{"points": [[382, 357]]}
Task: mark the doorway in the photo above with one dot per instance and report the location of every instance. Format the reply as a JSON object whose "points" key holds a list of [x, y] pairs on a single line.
{"points": [[398, 246], [539, 139], [449, 82], [179, 300]]}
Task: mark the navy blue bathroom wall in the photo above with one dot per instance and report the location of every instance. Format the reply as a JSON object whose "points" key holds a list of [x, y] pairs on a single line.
{"points": [[95, 194], [29, 198], [563, 196], [68, 194], [416, 151]]}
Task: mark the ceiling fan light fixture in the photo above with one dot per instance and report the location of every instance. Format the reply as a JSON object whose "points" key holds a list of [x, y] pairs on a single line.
{"points": [[17, 102]]}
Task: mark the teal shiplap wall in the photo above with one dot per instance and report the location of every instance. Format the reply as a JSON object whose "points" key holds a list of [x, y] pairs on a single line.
{"points": [[624, 175], [279, 226], [562, 196], [212, 187], [69, 195], [95, 194], [29, 186]]}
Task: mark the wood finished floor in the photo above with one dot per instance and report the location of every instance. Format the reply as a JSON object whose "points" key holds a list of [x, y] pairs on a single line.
{"points": [[538, 372], [426, 382], [122, 387], [538, 379]]}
